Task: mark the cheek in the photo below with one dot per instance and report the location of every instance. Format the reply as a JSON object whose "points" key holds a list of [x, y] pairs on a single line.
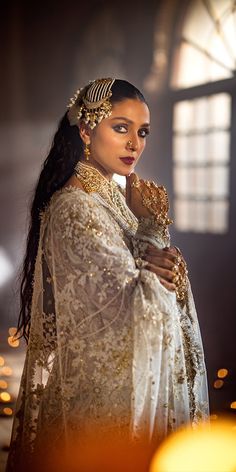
{"points": [[108, 139], [142, 146]]}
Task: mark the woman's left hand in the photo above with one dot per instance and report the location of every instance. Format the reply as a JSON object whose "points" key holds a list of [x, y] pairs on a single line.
{"points": [[161, 262], [175, 277]]}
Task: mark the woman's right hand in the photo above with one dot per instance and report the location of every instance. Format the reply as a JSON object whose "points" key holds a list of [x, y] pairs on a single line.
{"points": [[158, 261], [134, 197]]}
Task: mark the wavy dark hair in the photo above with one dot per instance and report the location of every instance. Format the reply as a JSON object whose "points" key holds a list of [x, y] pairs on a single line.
{"points": [[65, 152]]}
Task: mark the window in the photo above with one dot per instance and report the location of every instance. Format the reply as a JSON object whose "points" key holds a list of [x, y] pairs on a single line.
{"points": [[201, 126], [201, 149], [206, 51]]}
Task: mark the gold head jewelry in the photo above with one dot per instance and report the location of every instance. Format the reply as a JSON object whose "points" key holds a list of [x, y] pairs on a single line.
{"points": [[130, 144], [91, 103]]}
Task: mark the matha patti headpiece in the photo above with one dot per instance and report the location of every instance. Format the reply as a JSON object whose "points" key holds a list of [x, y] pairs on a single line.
{"points": [[91, 103]]}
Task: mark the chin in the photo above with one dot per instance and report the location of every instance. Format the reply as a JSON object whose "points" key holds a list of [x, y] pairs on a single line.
{"points": [[124, 172]]}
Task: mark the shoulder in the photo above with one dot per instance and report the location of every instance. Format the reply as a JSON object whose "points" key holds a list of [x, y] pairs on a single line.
{"points": [[71, 207], [73, 201]]}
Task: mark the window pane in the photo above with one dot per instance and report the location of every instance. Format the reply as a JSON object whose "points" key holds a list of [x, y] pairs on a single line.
{"points": [[181, 208], [219, 110], [181, 180], [218, 181], [218, 147], [200, 182], [183, 116], [207, 50], [181, 149], [201, 112], [198, 149], [200, 217], [192, 67], [218, 216]]}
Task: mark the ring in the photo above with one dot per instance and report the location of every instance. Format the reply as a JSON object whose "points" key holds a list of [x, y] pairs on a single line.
{"points": [[135, 183], [176, 278], [178, 259]]}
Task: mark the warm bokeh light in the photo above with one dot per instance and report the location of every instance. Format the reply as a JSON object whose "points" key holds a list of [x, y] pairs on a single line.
{"points": [[222, 373], [6, 371], [213, 417], [12, 331], [218, 383], [202, 450], [3, 384], [233, 405], [5, 396], [1, 361], [13, 342], [7, 411]]}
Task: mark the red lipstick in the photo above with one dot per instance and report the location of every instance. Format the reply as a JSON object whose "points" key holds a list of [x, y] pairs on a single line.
{"points": [[127, 160]]}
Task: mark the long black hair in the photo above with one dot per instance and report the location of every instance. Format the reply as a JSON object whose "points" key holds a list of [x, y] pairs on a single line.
{"points": [[65, 152]]}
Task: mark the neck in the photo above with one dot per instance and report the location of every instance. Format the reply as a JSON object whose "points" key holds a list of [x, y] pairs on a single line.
{"points": [[99, 167]]}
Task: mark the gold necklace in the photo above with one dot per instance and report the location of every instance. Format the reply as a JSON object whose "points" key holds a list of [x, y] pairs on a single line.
{"points": [[93, 181]]}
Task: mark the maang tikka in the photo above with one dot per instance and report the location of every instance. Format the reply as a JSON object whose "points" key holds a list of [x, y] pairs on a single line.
{"points": [[91, 103]]}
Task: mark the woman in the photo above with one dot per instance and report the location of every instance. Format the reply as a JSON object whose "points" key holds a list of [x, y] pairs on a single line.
{"points": [[107, 310]]}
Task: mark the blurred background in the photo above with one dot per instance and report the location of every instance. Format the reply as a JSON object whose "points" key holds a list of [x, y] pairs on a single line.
{"points": [[182, 55]]}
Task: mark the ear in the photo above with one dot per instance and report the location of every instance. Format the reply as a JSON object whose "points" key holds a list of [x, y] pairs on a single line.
{"points": [[85, 132]]}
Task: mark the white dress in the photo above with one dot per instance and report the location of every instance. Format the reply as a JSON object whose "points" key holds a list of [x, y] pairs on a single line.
{"points": [[109, 344]]}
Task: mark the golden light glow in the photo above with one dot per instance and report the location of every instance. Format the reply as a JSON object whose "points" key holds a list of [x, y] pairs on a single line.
{"points": [[13, 342], [5, 396], [1, 361], [7, 411], [213, 417], [222, 373], [233, 405], [202, 450], [6, 371], [3, 384], [218, 383], [12, 331]]}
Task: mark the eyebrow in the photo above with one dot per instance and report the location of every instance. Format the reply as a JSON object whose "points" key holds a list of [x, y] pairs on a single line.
{"points": [[128, 120]]}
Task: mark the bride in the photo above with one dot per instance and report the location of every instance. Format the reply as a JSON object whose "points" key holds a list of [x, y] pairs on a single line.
{"points": [[106, 305]]}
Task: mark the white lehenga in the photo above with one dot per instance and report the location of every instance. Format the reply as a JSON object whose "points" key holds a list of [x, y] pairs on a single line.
{"points": [[107, 340]]}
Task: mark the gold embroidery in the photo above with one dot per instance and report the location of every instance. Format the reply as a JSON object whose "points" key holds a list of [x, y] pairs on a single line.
{"points": [[94, 182]]}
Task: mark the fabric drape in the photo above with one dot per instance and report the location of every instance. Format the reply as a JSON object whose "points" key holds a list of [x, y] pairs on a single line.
{"points": [[109, 345]]}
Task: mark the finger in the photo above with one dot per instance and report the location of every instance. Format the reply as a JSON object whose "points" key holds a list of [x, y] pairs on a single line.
{"points": [[128, 190], [171, 250], [159, 261], [163, 273], [129, 180], [167, 285], [153, 251]]}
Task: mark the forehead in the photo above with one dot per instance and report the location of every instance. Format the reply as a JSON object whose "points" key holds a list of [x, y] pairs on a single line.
{"points": [[132, 109]]}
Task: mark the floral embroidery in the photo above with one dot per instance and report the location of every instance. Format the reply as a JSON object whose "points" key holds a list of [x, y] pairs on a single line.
{"points": [[107, 340]]}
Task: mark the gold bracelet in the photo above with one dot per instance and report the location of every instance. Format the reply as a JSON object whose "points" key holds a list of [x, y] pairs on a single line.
{"points": [[180, 278]]}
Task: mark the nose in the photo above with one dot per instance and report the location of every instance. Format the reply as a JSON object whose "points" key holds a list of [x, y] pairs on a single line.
{"points": [[133, 143]]}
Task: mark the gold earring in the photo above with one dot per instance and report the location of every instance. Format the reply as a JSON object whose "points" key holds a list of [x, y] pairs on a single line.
{"points": [[87, 152]]}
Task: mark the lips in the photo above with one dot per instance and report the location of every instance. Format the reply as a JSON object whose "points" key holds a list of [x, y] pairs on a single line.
{"points": [[127, 160]]}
